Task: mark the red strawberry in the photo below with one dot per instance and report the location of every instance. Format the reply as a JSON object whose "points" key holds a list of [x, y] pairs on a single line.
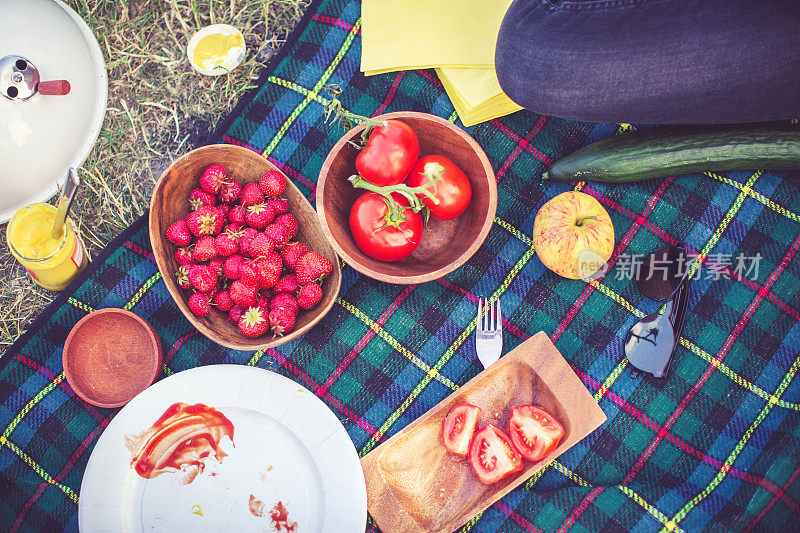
{"points": [[183, 256], [281, 320], [292, 252], [261, 245], [268, 293], [199, 304], [235, 314], [223, 300], [212, 293], [212, 179], [278, 233], [205, 220], [230, 191], [254, 322], [182, 277], [312, 268], [279, 205], [203, 277], [286, 301], [218, 264], [204, 249], [178, 233], [235, 230], [259, 215], [224, 209], [263, 303], [248, 273], [272, 183], [248, 234], [288, 220], [269, 267], [237, 214], [226, 244], [287, 283], [252, 195], [231, 266], [243, 293], [198, 198], [309, 296]]}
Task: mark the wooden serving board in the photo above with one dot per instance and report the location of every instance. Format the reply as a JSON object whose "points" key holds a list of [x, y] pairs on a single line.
{"points": [[414, 485]]}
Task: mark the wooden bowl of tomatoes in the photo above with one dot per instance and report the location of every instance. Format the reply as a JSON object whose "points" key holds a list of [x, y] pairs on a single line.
{"points": [[387, 240]]}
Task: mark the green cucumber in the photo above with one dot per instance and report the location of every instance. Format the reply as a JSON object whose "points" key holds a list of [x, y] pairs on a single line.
{"points": [[659, 152]]}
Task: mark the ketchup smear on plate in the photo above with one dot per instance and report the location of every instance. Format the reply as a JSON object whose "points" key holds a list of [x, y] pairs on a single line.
{"points": [[278, 514], [181, 440]]}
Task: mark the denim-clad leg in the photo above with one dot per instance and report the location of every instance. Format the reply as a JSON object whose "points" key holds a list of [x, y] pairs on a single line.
{"points": [[653, 61]]}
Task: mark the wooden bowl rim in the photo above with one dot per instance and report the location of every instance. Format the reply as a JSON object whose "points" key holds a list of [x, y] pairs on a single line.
{"points": [[177, 296], [353, 261], [157, 352]]}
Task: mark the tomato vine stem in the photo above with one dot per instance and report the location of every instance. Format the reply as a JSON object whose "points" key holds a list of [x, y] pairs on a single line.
{"points": [[335, 111]]}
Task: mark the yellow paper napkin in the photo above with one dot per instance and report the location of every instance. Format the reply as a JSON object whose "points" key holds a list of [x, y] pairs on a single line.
{"points": [[476, 94], [411, 34]]}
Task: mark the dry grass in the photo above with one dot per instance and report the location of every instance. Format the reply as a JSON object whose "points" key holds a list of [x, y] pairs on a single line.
{"points": [[158, 109]]}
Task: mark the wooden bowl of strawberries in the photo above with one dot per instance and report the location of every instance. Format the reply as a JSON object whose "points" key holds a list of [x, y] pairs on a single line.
{"points": [[240, 248]]}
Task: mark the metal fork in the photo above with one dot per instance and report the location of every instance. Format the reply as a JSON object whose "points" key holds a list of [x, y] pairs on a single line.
{"points": [[489, 332]]}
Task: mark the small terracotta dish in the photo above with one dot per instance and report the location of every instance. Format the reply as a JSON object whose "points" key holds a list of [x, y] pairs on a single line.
{"points": [[445, 245], [110, 356]]}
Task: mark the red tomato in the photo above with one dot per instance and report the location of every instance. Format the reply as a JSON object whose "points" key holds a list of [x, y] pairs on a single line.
{"points": [[452, 189], [377, 235], [459, 426], [534, 432], [492, 455], [389, 155]]}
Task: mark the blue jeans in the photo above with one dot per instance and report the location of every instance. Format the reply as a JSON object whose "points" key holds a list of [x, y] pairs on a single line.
{"points": [[653, 61]]}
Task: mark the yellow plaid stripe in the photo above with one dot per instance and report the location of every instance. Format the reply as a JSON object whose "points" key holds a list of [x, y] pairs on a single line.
{"points": [[80, 305], [22, 455], [25, 410], [315, 90], [723, 471], [394, 343], [256, 358], [736, 378], [298, 89], [717, 235], [627, 491], [39, 470], [444, 358], [143, 289], [757, 195]]}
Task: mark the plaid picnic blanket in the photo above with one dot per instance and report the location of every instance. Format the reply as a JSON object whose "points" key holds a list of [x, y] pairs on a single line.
{"points": [[714, 446]]}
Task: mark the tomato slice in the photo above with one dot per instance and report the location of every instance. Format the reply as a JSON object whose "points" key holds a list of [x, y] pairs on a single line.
{"points": [[459, 426], [492, 455], [534, 432]]}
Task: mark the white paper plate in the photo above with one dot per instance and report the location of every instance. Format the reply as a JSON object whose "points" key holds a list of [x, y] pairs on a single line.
{"points": [[288, 447]]}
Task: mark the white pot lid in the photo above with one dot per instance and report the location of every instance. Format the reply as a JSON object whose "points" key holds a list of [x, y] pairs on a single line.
{"points": [[40, 138]]}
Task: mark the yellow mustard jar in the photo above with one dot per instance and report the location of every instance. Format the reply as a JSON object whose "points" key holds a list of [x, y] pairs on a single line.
{"points": [[52, 262]]}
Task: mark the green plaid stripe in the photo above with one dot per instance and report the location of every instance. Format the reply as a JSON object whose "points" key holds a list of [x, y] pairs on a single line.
{"points": [[715, 446]]}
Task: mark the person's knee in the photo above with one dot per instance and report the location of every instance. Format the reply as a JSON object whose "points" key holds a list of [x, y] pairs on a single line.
{"points": [[652, 61], [517, 33]]}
